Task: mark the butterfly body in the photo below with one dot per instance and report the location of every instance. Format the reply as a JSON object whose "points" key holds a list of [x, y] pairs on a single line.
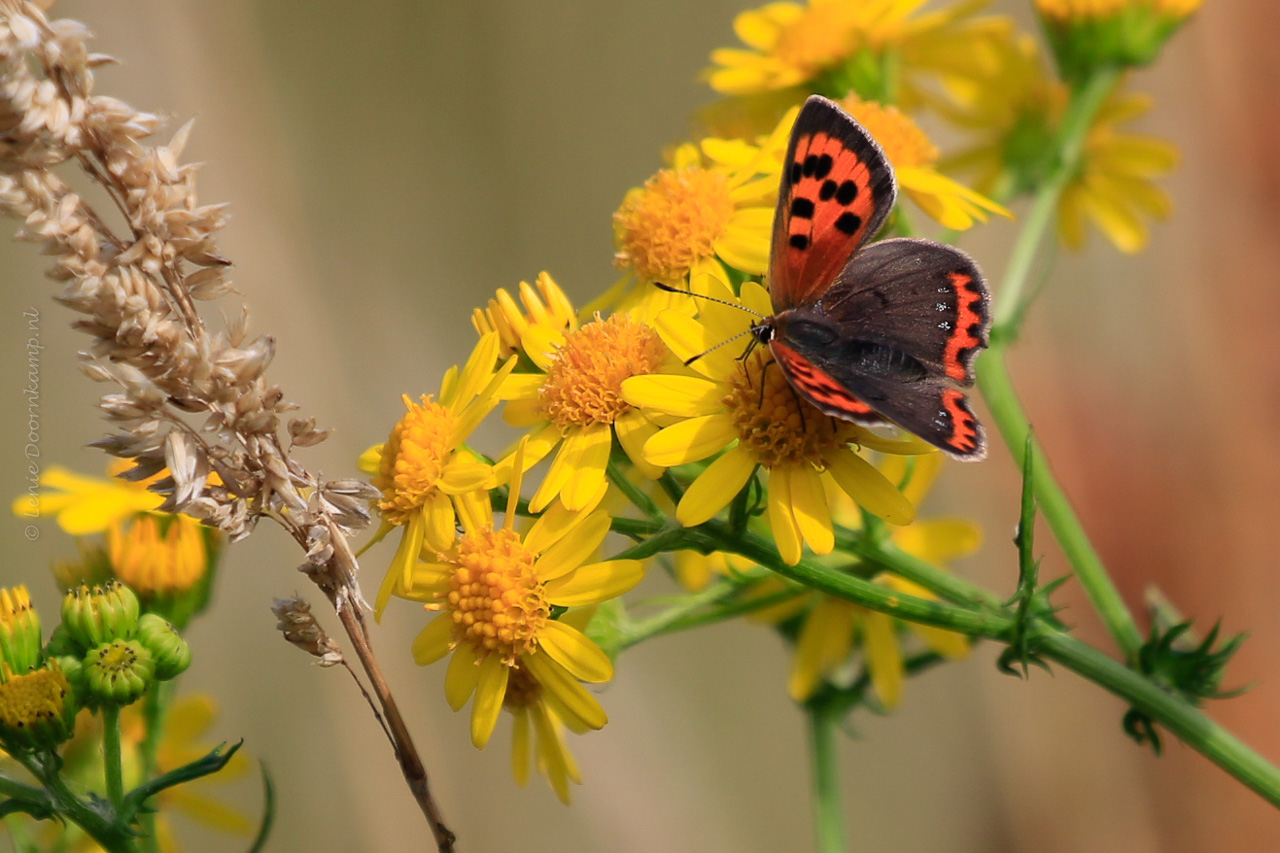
{"points": [[885, 332]]}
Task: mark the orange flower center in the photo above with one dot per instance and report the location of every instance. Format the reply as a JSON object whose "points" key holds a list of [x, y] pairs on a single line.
{"points": [[904, 143], [414, 458], [673, 221], [774, 423], [495, 597], [584, 384], [820, 38]]}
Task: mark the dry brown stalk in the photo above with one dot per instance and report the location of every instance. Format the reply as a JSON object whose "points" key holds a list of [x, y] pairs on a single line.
{"points": [[184, 399]]}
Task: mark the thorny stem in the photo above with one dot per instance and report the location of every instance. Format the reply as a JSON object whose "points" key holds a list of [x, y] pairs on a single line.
{"points": [[997, 388]]}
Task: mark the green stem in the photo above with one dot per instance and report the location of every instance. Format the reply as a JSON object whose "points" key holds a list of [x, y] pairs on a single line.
{"points": [[823, 755], [939, 582], [873, 596], [689, 612], [155, 707], [69, 805], [639, 499], [1083, 107], [1011, 421], [111, 756], [1189, 724]]}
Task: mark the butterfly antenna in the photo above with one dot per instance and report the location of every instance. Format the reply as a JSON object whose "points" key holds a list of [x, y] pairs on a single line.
{"points": [[689, 361], [672, 289]]}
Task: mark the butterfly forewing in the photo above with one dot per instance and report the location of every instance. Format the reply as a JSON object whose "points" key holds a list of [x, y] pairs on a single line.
{"points": [[837, 188]]}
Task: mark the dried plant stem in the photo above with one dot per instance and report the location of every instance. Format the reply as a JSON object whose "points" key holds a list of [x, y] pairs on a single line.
{"points": [[415, 772]]}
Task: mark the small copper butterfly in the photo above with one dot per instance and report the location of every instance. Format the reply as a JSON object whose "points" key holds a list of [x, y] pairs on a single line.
{"points": [[885, 332]]}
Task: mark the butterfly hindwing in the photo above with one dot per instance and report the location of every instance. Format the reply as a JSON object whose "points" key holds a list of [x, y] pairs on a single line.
{"points": [[921, 404], [925, 299], [837, 188]]}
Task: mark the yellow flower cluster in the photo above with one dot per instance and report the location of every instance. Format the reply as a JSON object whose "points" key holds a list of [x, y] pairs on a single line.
{"points": [[639, 417]]}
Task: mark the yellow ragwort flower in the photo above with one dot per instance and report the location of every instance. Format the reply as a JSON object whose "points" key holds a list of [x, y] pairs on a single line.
{"points": [[155, 563], [834, 46], [496, 590], [712, 206], [573, 401], [913, 157], [1018, 111], [423, 470], [833, 626], [738, 405]]}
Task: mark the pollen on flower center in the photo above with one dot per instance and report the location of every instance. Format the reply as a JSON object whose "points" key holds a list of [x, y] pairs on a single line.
{"points": [[904, 143], [495, 598], [672, 221], [773, 423], [413, 458], [35, 696], [584, 383]]}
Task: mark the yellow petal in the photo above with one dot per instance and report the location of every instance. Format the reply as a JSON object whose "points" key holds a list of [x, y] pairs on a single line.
{"points": [[570, 648], [786, 534], [368, 463], [884, 657], [432, 642], [491, 689], [715, 487], [570, 552], [557, 681], [744, 244], [633, 430], [461, 676], [824, 642], [590, 458], [441, 523], [458, 477], [594, 583], [681, 396], [549, 527], [540, 344], [559, 474], [938, 540], [475, 375], [688, 338], [690, 440], [869, 488], [809, 505], [539, 445], [553, 758], [521, 386], [520, 746]]}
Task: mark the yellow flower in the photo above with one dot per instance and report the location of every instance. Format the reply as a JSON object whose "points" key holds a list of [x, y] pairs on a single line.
{"points": [[546, 306], [913, 156], [497, 589], [422, 469], [153, 562], [736, 404], [835, 46], [573, 400], [714, 205], [1018, 112], [86, 505]]}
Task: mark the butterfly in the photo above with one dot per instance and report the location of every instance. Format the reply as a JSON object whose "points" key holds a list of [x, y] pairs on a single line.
{"points": [[868, 333]]}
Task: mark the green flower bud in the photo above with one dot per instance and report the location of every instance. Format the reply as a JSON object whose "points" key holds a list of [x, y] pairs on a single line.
{"points": [[1091, 34], [118, 673], [98, 615], [19, 630], [37, 709], [61, 645], [171, 653], [73, 668]]}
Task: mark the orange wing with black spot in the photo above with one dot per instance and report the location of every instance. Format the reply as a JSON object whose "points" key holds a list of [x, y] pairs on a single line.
{"points": [[837, 188]]}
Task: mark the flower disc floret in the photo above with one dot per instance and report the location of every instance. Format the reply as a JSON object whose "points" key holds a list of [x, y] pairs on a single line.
{"points": [[584, 384], [414, 458], [674, 220], [495, 598], [772, 422], [118, 673]]}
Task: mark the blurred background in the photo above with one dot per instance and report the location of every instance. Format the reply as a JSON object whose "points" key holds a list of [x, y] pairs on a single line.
{"points": [[390, 164]]}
